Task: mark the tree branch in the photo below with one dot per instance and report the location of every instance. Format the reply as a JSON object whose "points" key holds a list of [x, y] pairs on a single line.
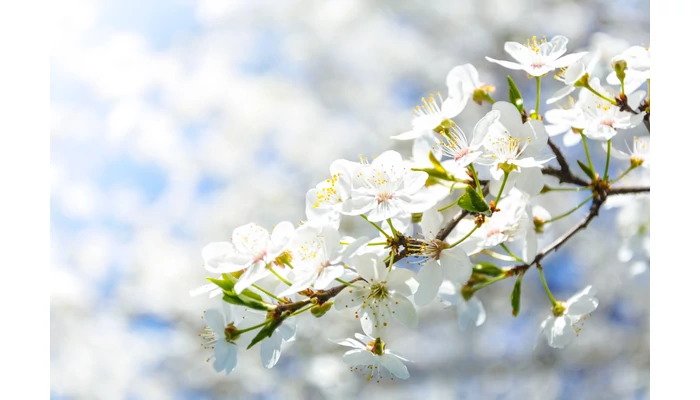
{"points": [[565, 176], [628, 190]]}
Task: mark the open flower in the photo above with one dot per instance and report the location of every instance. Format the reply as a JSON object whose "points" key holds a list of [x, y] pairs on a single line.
{"points": [[639, 154], [516, 147], [461, 82], [369, 356], [387, 188], [455, 144], [380, 296], [512, 224], [318, 257], [560, 327], [469, 311], [222, 334], [538, 57], [440, 262], [252, 248], [325, 201]]}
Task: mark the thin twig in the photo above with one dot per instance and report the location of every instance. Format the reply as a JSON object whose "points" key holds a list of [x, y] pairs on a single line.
{"points": [[628, 190]]}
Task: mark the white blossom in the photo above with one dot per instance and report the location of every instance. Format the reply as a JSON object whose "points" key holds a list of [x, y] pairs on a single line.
{"points": [[369, 356], [560, 327], [537, 57], [380, 296]]}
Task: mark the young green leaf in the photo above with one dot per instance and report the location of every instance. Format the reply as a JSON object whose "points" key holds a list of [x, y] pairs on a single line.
{"points": [[514, 95], [586, 170], [488, 269], [471, 201], [515, 296]]}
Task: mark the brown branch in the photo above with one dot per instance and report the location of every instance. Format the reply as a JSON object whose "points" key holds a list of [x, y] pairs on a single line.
{"points": [[592, 213], [628, 190], [560, 157], [565, 176]]}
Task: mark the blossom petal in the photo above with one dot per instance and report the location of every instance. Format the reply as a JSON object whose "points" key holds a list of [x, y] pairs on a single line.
{"points": [[403, 310], [270, 350], [215, 320], [254, 273], [520, 53], [456, 265], [531, 181], [561, 332], [481, 129], [358, 357], [429, 279], [567, 60], [394, 365], [507, 64]]}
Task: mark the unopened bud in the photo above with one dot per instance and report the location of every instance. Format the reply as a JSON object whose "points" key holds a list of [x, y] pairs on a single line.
{"points": [[320, 311], [619, 65]]}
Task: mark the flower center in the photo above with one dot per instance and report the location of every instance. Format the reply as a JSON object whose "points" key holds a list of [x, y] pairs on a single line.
{"points": [[260, 256], [378, 291], [328, 192], [231, 333], [382, 197]]}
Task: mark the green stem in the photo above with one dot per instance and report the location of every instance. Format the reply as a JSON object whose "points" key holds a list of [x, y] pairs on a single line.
{"points": [[595, 92], [280, 277], [368, 244], [588, 155], [503, 185], [343, 282], [576, 189], [537, 101], [503, 245], [376, 226], [393, 230], [303, 310], [260, 325], [391, 263], [287, 263], [494, 280], [607, 162], [267, 293], [569, 212], [649, 90], [498, 256], [623, 174], [448, 206], [546, 288], [476, 179], [465, 238]]}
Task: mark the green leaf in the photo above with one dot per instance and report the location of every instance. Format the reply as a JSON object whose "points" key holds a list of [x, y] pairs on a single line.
{"points": [[471, 201], [515, 296], [245, 301], [514, 95], [269, 329], [262, 334], [586, 170], [488, 269], [224, 284], [438, 171]]}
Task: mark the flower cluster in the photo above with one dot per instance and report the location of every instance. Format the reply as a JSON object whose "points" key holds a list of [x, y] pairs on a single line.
{"points": [[422, 251]]}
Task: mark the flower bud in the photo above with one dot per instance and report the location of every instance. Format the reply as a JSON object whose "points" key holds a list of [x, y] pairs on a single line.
{"points": [[320, 311], [619, 65]]}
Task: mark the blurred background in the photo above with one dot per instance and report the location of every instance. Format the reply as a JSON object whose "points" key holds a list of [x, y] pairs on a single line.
{"points": [[175, 121]]}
